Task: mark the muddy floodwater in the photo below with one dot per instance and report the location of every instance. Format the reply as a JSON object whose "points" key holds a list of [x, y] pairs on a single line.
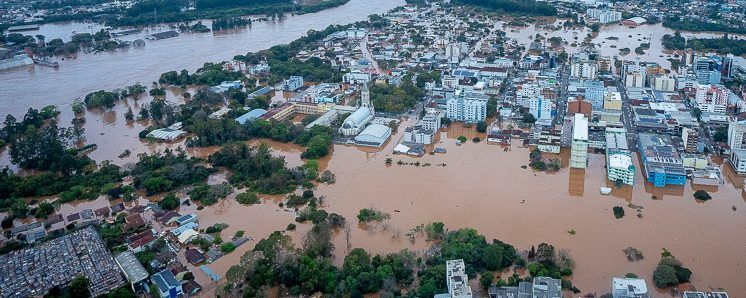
{"points": [[37, 86], [484, 187], [610, 39]]}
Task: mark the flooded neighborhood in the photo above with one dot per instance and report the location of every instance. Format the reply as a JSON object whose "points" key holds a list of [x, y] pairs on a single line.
{"points": [[378, 148]]}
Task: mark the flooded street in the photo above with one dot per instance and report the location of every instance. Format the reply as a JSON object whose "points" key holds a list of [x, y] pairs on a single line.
{"points": [[627, 38], [36, 86], [485, 188], [477, 185]]}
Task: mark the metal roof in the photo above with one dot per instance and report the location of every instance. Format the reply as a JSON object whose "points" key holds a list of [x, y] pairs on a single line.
{"points": [[132, 268]]}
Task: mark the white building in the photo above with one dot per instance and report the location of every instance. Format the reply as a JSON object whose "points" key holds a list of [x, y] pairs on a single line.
{"points": [[584, 70], [469, 107], [604, 16], [458, 281], [357, 121], [453, 53], [738, 160], [293, 83], [541, 108], [375, 135], [619, 166], [613, 101], [664, 83], [628, 288], [712, 98], [424, 131], [525, 92], [737, 135], [579, 145], [356, 77], [634, 79]]}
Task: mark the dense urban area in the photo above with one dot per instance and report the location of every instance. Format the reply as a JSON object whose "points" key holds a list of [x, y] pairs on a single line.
{"points": [[462, 148]]}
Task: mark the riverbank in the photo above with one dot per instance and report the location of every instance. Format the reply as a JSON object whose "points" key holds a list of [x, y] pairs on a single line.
{"points": [[84, 74]]}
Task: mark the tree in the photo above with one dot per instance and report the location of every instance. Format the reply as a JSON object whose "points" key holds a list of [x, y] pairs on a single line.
{"points": [[721, 135], [247, 198], [129, 115], [78, 106], [485, 279], [79, 287], [702, 195], [665, 276], [618, 212], [481, 126], [44, 210], [169, 202], [528, 118]]}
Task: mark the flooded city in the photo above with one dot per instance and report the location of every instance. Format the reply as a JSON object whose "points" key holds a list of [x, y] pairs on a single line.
{"points": [[460, 179]]}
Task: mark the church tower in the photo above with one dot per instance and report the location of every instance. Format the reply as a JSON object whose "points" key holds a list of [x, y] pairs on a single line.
{"points": [[365, 98]]}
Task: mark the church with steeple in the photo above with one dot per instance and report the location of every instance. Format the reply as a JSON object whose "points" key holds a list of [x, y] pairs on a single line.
{"points": [[365, 112]]}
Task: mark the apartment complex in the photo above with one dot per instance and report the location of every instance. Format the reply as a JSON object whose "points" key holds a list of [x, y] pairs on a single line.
{"points": [[619, 165], [737, 135], [467, 106], [712, 98], [458, 281]]}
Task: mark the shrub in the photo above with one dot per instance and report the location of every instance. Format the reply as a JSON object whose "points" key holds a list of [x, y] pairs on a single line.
{"points": [[665, 276], [367, 215], [290, 227], [169, 202], [247, 198], [227, 247], [702, 195]]}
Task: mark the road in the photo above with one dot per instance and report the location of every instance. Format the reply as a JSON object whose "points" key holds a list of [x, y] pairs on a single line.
{"points": [[627, 117], [367, 54]]}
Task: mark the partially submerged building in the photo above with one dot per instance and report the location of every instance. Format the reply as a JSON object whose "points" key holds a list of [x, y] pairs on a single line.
{"points": [[619, 166], [661, 160]]}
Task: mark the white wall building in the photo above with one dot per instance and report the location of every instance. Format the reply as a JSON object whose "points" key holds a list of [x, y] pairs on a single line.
{"points": [[619, 166], [738, 160], [293, 83], [664, 83], [424, 131], [357, 121], [628, 288], [737, 135], [356, 77], [604, 16], [458, 281], [525, 92], [469, 107], [584, 70], [712, 98], [541, 108], [579, 145]]}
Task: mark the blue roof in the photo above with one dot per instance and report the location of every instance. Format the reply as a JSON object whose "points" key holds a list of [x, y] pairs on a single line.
{"points": [[165, 280], [182, 228], [209, 272], [186, 218], [251, 115]]}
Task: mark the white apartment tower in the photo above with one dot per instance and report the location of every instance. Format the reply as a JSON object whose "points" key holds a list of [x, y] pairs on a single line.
{"points": [[579, 145], [469, 107], [712, 98], [541, 107], [458, 281], [737, 135]]}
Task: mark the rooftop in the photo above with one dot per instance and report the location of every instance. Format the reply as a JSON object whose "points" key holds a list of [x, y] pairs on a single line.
{"points": [[132, 268]]}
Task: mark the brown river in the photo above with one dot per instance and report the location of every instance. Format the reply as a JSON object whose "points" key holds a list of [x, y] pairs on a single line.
{"points": [[481, 186]]}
